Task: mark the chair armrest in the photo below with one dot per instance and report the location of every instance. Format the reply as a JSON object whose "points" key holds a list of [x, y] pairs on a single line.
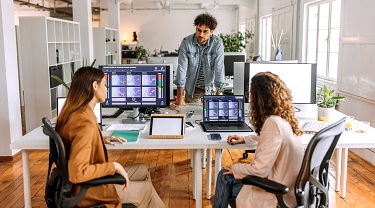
{"points": [[266, 184], [113, 179]]}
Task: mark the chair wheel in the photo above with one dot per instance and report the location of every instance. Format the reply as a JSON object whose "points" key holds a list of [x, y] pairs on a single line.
{"points": [[245, 155]]}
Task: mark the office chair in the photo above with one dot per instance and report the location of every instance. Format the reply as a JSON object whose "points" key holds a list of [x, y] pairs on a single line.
{"points": [[312, 184], [58, 186]]}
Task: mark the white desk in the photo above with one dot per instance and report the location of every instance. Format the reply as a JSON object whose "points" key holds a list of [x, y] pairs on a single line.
{"points": [[195, 139], [36, 140]]}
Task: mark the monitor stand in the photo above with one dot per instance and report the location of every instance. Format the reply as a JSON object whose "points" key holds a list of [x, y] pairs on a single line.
{"points": [[134, 118]]}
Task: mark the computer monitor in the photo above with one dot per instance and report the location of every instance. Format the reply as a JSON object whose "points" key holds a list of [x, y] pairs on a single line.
{"points": [[97, 109], [230, 58], [164, 60], [300, 78], [137, 86]]}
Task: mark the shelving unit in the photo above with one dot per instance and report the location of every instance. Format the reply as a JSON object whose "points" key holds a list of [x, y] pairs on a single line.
{"points": [[47, 45], [106, 45], [129, 53]]}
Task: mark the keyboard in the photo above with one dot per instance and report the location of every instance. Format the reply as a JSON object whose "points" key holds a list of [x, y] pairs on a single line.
{"points": [[226, 125], [312, 127]]}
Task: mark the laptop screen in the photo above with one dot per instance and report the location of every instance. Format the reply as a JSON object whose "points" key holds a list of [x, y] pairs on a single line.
{"points": [[97, 109], [223, 108]]}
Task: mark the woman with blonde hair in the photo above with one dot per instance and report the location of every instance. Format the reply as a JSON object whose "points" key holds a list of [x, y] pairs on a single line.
{"points": [[86, 151], [279, 152]]}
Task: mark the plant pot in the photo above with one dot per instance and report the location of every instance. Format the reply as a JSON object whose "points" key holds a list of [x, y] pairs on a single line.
{"points": [[324, 114]]}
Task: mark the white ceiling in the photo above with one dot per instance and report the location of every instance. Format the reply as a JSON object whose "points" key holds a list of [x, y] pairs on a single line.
{"points": [[144, 4]]}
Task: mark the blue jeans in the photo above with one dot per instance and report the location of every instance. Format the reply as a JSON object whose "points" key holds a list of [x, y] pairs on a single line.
{"points": [[226, 187]]}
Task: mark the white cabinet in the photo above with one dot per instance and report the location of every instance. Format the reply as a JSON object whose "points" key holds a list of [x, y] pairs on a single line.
{"points": [[106, 46], [47, 46]]}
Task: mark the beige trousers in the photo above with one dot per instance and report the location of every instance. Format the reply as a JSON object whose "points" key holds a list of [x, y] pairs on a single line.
{"points": [[197, 96], [140, 192]]}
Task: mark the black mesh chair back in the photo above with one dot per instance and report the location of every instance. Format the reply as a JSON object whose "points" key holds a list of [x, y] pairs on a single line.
{"points": [[312, 182], [312, 185], [58, 187]]}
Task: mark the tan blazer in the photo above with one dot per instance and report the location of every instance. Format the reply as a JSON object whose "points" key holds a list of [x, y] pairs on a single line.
{"points": [[88, 158], [278, 157]]}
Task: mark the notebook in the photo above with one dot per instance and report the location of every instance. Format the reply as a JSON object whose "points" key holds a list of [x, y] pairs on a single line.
{"points": [[97, 109], [130, 136], [224, 113]]}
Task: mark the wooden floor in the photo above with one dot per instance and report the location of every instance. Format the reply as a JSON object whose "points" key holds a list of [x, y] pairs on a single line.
{"points": [[171, 175]]}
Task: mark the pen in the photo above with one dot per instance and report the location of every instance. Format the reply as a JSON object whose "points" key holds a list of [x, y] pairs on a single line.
{"points": [[188, 123]]}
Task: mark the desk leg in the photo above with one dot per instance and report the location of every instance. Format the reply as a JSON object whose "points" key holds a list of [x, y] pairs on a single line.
{"points": [[338, 168], [218, 153], [197, 167], [26, 178], [192, 160], [204, 158], [344, 169], [209, 173]]}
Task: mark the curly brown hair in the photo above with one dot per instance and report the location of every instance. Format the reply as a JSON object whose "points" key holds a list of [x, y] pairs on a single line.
{"points": [[206, 19], [270, 96]]}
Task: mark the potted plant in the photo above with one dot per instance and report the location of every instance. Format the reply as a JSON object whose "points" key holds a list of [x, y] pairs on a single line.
{"points": [[235, 42], [326, 101], [141, 53]]}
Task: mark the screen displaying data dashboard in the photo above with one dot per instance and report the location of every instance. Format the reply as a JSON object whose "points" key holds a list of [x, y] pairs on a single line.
{"points": [[138, 85]]}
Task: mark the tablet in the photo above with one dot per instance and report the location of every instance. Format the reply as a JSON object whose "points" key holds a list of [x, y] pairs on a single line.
{"points": [[167, 126]]}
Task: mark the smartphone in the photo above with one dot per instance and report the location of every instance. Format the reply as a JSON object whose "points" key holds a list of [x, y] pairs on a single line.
{"points": [[215, 136]]}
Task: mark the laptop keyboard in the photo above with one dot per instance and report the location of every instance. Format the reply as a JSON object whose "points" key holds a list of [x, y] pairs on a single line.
{"points": [[226, 125]]}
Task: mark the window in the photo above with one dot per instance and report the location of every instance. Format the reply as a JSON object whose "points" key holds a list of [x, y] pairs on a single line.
{"points": [[322, 37], [265, 37]]}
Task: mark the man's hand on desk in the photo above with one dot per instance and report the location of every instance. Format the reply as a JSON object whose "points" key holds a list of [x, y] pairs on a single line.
{"points": [[179, 99], [177, 104], [110, 139]]}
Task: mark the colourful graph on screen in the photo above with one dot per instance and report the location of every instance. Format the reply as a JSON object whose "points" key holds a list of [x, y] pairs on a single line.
{"points": [[133, 80], [118, 92], [118, 80], [134, 92], [148, 91], [148, 80]]}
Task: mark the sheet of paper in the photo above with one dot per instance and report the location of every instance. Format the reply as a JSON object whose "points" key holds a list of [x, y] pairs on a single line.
{"points": [[116, 127]]}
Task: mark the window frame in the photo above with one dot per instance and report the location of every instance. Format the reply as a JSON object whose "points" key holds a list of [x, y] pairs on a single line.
{"points": [[266, 55], [328, 51]]}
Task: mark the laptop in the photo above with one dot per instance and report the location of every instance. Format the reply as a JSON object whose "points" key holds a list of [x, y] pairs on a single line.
{"points": [[224, 113], [97, 109]]}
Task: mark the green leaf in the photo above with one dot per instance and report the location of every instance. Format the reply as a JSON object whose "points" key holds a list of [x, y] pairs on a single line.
{"points": [[60, 81], [93, 63]]}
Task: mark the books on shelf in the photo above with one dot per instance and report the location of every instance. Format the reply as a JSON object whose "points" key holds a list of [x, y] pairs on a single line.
{"points": [[312, 127]]}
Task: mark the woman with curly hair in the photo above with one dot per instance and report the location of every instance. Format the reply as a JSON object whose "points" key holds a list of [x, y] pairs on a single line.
{"points": [[279, 151]]}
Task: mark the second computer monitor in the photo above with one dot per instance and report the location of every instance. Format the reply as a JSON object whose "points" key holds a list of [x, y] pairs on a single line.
{"points": [[300, 78], [230, 58]]}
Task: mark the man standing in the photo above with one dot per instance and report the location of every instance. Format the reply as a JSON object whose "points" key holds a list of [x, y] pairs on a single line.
{"points": [[200, 62]]}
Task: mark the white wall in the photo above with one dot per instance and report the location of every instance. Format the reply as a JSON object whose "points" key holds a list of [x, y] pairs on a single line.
{"points": [[23, 12], [10, 114], [160, 28]]}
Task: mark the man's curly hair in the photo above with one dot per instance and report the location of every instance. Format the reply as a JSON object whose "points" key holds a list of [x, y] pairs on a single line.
{"points": [[206, 19], [270, 96]]}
